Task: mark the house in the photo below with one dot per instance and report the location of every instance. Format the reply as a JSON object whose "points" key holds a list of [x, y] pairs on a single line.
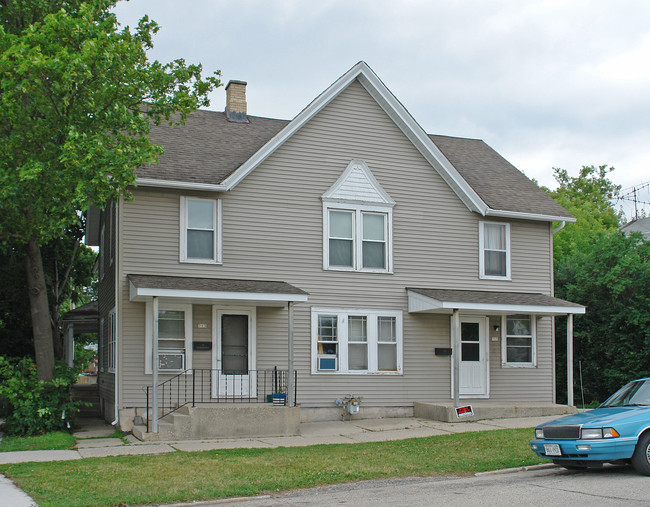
{"points": [[345, 253], [638, 225]]}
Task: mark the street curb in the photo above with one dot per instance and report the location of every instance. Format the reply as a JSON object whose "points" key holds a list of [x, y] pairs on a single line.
{"points": [[217, 501], [543, 466]]}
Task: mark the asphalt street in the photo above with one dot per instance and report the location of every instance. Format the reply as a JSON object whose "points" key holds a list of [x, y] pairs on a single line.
{"points": [[609, 486]]}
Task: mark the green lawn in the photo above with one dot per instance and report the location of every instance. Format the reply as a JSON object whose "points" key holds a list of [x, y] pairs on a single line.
{"points": [[193, 476], [50, 441]]}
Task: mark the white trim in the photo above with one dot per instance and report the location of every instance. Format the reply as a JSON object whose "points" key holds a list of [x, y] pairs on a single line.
{"points": [[102, 347], [481, 251], [143, 293], [528, 216], [148, 334], [332, 194], [217, 239], [111, 348], [484, 344], [342, 315], [180, 185], [217, 313], [421, 303], [504, 343]]}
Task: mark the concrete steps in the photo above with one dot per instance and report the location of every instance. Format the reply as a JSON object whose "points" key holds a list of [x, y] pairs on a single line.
{"points": [[222, 420], [446, 412]]}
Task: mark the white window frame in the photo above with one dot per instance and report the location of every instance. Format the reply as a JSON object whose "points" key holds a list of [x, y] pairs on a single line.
{"points": [[357, 211], [481, 258], [504, 343], [148, 352], [101, 348], [216, 220], [112, 341], [342, 315]]}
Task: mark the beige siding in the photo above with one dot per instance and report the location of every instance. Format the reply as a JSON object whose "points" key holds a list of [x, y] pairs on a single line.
{"points": [[272, 230]]}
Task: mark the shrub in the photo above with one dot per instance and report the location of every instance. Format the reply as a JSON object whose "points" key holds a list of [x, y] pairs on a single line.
{"points": [[32, 406]]}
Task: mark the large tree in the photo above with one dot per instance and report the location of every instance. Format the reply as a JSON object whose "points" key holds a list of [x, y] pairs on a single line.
{"points": [[78, 97]]}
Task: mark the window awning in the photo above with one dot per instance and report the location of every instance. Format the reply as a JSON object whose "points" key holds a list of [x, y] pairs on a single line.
{"points": [[207, 290], [487, 302]]}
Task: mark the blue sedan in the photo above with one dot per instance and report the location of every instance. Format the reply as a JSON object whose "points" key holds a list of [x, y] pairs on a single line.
{"points": [[616, 432]]}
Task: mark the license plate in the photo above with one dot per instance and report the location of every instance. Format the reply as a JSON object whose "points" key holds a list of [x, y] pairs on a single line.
{"points": [[552, 450]]}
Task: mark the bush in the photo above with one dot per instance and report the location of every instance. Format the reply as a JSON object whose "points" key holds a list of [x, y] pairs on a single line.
{"points": [[32, 406]]}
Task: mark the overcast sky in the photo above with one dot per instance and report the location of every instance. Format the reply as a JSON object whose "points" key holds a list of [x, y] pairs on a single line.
{"points": [[557, 83]]}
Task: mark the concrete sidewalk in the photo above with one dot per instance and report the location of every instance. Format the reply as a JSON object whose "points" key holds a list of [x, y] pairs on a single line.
{"points": [[94, 440]]}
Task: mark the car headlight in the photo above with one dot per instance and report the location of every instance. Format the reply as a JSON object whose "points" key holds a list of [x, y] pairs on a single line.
{"points": [[590, 433], [539, 432]]}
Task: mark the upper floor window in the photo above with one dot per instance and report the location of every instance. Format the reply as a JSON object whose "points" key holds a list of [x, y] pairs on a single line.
{"points": [[357, 239], [200, 230], [357, 223], [494, 245]]}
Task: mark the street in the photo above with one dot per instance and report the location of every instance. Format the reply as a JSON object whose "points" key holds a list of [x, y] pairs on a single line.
{"points": [[608, 486]]}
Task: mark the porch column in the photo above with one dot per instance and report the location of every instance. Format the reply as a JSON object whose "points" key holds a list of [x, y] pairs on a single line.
{"points": [[455, 354], [68, 345], [290, 384], [569, 359], [154, 368]]}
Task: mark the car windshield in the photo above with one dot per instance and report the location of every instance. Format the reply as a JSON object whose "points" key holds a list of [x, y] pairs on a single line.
{"points": [[635, 393]]}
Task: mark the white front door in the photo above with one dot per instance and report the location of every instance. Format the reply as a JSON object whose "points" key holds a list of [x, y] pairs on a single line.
{"points": [[234, 357], [473, 357]]}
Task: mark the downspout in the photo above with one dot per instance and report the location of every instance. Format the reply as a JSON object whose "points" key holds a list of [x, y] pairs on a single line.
{"points": [[116, 251], [555, 231]]}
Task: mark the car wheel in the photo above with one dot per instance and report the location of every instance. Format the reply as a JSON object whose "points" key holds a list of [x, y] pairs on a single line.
{"points": [[641, 456]]}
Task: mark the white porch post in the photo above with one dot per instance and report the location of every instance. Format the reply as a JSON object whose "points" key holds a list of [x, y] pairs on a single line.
{"points": [[69, 345], [154, 368], [569, 359], [290, 384], [455, 354]]}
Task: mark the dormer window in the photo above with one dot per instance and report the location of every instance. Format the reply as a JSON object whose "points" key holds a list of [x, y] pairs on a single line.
{"points": [[200, 230], [357, 223]]}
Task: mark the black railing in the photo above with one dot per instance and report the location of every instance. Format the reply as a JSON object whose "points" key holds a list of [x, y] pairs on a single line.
{"points": [[198, 385]]}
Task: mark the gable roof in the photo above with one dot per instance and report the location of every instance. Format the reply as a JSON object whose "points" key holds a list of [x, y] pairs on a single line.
{"points": [[211, 153]]}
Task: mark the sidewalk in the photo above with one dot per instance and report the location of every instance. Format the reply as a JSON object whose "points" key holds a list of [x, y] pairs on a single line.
{"points": [[93, 441]]}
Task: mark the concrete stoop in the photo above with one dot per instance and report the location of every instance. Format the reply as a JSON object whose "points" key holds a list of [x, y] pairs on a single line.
{"points": [[447, 412], [223, 421]]}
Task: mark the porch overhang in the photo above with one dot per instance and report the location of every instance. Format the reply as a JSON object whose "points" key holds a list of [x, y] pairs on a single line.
{"points": [[144, 288], [445, 301]]}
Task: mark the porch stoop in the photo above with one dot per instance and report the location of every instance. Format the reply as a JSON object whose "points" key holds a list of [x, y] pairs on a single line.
{"points": [[446, 412], [223, 421]]}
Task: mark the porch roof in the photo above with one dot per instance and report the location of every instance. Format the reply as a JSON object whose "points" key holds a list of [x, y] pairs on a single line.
{"points": [[258, 292], [487, 302], [85, 319]]}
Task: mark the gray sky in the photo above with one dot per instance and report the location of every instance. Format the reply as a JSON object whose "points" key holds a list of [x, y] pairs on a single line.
{"points": [[555, 83]]}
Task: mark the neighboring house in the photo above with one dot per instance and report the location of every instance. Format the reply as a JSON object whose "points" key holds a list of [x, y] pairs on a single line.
{"points": [[347, 246], [641, 225]]}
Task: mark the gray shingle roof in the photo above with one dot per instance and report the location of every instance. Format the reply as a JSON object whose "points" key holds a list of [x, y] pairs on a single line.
{"points": [[213, 284], [498, 183], [208, 147], [494, 298]]}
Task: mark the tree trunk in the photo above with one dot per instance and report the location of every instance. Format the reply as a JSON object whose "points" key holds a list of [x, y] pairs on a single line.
{"points": [[57, 339], [41, 325]]}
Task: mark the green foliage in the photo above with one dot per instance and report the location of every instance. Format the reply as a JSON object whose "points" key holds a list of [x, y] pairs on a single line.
{"points": [[50, 441], [31, 406], [588, 197], [610, 275]]}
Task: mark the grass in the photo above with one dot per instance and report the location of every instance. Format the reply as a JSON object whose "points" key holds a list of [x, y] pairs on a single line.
{"points": [[194, 476], [50, 441]]}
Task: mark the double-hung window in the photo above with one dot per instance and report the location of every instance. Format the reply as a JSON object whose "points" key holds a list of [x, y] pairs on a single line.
{"points": [[518, 345], [200, 230], [494, 246], [356, 341], [112, 341], [174, 338], [358, 239]]}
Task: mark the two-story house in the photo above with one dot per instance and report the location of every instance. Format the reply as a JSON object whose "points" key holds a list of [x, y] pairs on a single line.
{"points": [[345, 252]]}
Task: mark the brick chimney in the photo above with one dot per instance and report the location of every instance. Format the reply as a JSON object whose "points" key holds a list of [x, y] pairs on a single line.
{"points": [[236, 101]]}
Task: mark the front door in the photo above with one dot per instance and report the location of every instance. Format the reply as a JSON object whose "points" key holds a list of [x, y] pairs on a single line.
{"points": [[473, 357], [234, 358]]}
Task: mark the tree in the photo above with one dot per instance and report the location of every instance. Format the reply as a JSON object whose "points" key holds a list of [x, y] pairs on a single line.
{"points": [[588, 197], [78, 97], [610, 275]]}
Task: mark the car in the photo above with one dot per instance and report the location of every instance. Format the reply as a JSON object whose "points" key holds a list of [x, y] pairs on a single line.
{"points": [[618, 431]]}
